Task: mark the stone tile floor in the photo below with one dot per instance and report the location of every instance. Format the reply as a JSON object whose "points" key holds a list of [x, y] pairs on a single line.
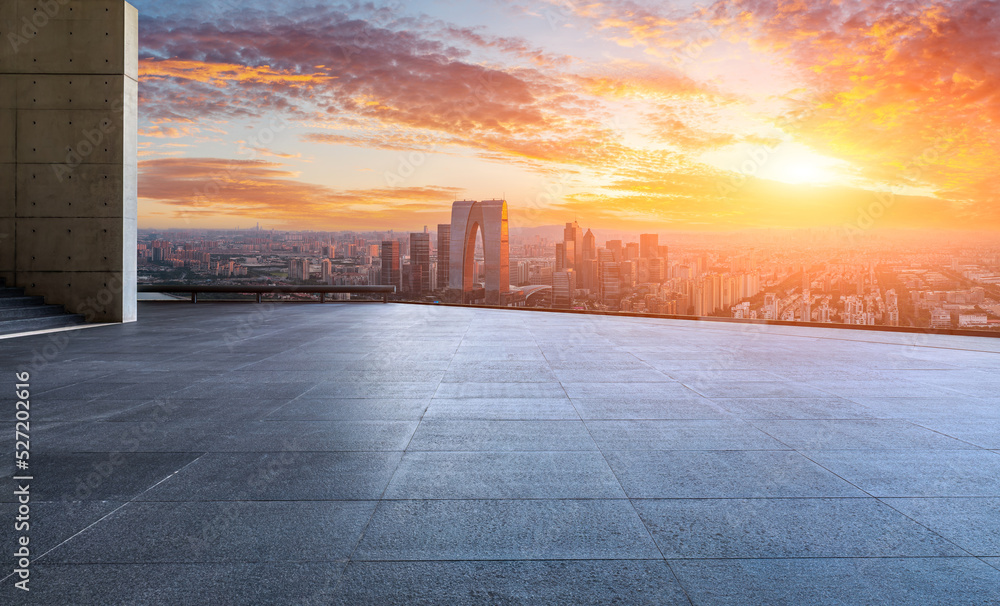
{"points": [[377, 454]]}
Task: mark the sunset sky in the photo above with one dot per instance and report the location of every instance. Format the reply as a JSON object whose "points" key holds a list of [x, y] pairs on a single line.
{"points": [[627, 115]]}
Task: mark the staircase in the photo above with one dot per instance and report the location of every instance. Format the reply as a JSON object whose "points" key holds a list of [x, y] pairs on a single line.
{"points": [[21, 313]]}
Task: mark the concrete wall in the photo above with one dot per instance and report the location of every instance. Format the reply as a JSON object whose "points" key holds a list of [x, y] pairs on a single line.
{"points": [[68, 157]]}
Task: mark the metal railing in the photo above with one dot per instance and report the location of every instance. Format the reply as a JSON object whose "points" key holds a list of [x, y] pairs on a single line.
{"points": [[260, 290]]}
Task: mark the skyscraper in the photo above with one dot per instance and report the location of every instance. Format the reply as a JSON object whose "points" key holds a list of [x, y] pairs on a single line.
{"points": [[631, 251], [573, 245], [609, 276], [420, 262], [327, 269], [443, 252], [563, 287], [649, 245], [615, 248], [298, 269], [588, 270], [391, 274], [806, 297]]}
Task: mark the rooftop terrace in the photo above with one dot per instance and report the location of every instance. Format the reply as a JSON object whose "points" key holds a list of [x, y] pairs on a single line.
{"points": [[353, 454]]}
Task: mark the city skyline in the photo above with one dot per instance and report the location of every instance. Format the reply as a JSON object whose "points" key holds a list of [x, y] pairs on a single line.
{"points": [[895, 281], [637, 116]]}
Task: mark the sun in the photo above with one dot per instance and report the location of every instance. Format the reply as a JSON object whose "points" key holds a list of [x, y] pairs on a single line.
{"points": [[797, 164]]}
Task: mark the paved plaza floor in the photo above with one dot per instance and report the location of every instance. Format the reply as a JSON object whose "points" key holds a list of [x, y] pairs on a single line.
{"points": [[406, 454]]}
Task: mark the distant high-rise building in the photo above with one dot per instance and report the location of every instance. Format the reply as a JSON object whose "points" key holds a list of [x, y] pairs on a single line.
{"points": [[631, 251], [649, 245], [771, 306], [391, 271], [520, 273], [560, 256], [629, 271], [588, 269], [609, 276], [589, 245], [420, 262], [658, 270], [298, 269], [824, 311], [563, 288], [573, 245], [615, 248], [443, 254], [806, 297], [327, 269]]}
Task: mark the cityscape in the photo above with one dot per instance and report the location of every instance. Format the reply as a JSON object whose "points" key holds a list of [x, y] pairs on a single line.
{"points": [[569, 302], [915, 280]]}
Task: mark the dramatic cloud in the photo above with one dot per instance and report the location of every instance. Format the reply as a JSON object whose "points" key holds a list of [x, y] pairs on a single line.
{"points": [[640, 116], [265, 191]]}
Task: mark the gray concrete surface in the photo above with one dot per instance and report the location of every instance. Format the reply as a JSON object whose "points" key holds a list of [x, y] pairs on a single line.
{"points": [[68, 153], [373, 454]]}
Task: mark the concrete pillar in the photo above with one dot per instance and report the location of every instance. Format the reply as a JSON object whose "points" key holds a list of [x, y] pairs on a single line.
{"points": [[68, 156]]}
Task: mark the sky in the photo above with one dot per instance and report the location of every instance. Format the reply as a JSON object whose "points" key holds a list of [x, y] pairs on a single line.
{"points": [[632, 115]]}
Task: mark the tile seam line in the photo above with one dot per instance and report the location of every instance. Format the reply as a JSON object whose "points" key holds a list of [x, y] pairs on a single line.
{"points": [[364, 529], [105, 516], [649, 534], [691, 329], [880, 501], [547, 559]]}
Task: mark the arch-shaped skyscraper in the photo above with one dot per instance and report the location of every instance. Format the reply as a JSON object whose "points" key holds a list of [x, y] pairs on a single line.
{"points": [[490, 218]]}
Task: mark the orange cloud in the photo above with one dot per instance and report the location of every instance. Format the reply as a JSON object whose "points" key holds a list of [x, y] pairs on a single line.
{"points": [[219, 188], [908, 94]]}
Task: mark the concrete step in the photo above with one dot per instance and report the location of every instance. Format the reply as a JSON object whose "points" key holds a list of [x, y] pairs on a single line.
{"points": [[22, 301], [49, 322], [34, 311]]}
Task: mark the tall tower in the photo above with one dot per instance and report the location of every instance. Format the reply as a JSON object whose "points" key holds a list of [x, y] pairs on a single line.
{"points": [[444, 247], [573, 245], [615, 248], [468, 218], [391, 274], [420, 262], [806, 297], [588, 273], [648, 245]]}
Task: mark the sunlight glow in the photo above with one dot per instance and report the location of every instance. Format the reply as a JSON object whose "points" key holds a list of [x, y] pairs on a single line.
{"points": [[797, 164]]}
